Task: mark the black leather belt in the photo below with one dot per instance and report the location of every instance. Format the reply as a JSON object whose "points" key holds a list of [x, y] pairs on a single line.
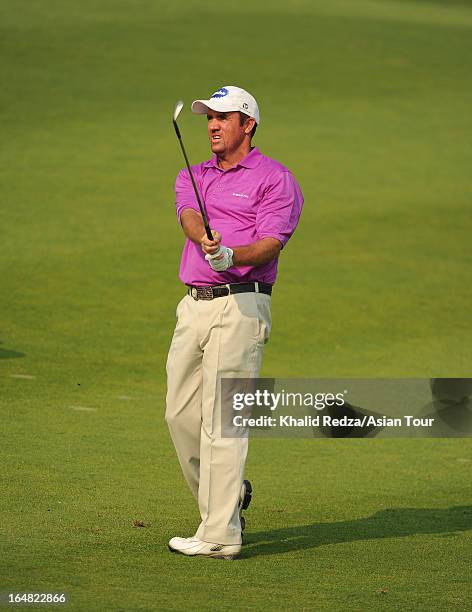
{"points": [[211, 292]]}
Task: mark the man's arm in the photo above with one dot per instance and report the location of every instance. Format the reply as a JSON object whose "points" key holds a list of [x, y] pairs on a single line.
{"points": [[258, 253], [192, 224]]}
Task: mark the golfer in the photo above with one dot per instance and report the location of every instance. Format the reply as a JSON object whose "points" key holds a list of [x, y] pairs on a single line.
{"points": [[253, 204]]}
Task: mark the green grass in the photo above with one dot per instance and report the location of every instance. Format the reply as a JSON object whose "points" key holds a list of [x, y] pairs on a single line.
{"points": [[368, 102]]}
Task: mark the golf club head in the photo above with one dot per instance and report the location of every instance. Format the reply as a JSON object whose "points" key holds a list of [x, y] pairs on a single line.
{"points": [[177, 110]]}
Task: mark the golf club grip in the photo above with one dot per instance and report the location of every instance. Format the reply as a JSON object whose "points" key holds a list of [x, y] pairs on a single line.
{"points": [[200, 205], [208, 231]]}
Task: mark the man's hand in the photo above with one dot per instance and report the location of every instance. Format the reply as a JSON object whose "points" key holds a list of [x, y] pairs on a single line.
{"points": [[221, 260], [211, 247]]}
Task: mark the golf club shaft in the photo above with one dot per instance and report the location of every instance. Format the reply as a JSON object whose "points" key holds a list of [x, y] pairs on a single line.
{"points": [[200, 205]]}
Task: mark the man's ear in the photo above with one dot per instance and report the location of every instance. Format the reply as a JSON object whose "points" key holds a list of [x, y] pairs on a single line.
{"points": [[250, 123]]}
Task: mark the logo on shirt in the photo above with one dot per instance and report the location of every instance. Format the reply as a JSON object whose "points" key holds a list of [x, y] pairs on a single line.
{"points": [[240, 195], [221, 93]]}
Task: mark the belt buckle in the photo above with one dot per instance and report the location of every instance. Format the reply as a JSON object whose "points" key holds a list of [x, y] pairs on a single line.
{"points": [[205, 293], [202, 293]]}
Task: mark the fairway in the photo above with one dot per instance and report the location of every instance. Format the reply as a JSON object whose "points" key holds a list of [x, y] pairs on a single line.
{"points": [[368, 103]]}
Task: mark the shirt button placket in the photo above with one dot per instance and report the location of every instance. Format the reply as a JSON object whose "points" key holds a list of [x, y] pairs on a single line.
{"points": [[219, 184]]}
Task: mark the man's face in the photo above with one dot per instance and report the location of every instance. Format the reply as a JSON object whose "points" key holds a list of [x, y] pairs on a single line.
{"points": [[225, 132]]}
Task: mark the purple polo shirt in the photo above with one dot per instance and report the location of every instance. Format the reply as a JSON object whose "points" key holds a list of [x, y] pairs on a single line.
{"points": [[257, 198]]}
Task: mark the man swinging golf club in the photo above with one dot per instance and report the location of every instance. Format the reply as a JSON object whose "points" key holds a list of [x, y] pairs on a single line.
{"points": [[252, 205]]}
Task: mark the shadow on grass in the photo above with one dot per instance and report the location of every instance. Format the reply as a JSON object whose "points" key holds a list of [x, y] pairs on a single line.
{"points": [[8, 354], [388, 523]]}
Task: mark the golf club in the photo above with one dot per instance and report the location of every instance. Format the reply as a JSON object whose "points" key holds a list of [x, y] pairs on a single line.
{"points": [[178, 108]]}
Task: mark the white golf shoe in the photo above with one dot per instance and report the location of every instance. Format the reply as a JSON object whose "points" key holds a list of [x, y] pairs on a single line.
{"points": [[193, 547]]}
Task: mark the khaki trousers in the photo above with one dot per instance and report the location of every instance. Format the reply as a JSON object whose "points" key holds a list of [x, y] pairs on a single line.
{"points": [[223, 337]]}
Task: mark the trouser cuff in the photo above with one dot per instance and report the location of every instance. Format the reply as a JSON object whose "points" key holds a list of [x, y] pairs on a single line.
{"points": [[216, 536]]}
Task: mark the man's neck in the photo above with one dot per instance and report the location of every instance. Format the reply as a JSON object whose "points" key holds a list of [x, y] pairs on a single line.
{"points": [[228, 161]]}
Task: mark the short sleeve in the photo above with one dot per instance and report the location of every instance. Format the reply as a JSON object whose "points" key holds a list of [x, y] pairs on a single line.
{"points": [[185, 195], [280, 208]]}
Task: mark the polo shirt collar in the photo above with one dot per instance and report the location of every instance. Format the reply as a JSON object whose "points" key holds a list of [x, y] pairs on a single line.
{"points": [[251, 160]]}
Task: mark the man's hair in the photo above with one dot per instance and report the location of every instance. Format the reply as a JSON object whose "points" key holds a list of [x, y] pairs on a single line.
{"points": [[242, 120]]}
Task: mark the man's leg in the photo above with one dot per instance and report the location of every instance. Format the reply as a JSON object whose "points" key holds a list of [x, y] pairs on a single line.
{"points": [[232, 349], [184, 392]]}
